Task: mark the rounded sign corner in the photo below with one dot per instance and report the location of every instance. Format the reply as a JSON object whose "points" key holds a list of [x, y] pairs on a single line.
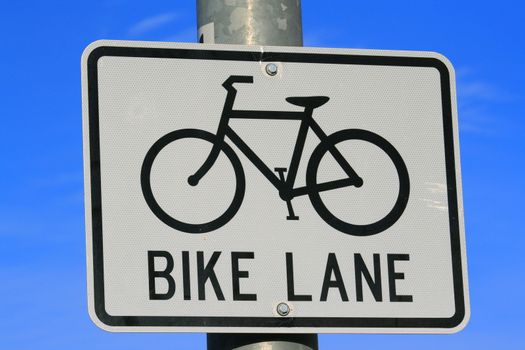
{"points": [[92, 51], [442, 63], [460, 320], [101, 318]]}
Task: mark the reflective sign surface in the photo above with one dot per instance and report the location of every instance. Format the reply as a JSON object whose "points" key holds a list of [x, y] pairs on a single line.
{"points": [[265, 189]]}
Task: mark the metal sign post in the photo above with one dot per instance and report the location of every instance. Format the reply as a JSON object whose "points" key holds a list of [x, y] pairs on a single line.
{"points": [[264, 22], [261, 22]]}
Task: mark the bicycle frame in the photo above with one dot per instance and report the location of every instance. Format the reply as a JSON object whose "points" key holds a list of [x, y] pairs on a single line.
{"points": [[285, 186]]}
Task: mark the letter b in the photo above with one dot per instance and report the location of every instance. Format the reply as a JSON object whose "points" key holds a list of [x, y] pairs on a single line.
{"points": [[152, 274]]}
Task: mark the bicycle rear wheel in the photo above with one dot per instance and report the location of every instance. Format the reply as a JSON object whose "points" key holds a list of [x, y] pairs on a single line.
{"points": [[193, 209], [399, 174]]}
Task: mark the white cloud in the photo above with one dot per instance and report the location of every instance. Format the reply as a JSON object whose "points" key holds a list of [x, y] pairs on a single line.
{"points": [[478, 102], [152, 23], [477, 119], [317, 38], [188, 34], [481, 90], [58, 180]]}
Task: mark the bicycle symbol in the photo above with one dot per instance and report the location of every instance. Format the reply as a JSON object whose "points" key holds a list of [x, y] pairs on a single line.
{"points": [[284, 185]]}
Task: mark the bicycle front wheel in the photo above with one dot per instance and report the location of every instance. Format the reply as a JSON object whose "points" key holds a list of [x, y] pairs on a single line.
{"points": [[200, 208], [375, 205]]}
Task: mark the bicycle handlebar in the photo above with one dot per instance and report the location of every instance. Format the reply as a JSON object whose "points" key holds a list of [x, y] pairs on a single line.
{"points": [[228, 83]]}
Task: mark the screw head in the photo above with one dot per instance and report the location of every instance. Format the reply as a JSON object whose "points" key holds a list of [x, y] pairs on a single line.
{"points": [[283, 309], [271, 69]]}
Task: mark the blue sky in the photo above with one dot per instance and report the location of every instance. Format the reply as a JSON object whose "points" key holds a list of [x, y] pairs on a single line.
{"points": [[42, 253]]}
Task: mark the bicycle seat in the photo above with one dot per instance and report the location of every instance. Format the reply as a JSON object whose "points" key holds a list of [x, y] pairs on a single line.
{"points": [[308, 101]]}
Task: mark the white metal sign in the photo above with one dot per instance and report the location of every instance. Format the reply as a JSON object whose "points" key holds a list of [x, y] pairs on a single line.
{"points": [[266, 189]]}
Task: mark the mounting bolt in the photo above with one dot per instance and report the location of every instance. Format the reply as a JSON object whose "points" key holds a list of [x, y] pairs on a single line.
{"points": [[271, 69], [283, 309]]}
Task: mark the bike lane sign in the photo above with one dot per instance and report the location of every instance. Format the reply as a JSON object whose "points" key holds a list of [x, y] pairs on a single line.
{"points": [[271, 189]]}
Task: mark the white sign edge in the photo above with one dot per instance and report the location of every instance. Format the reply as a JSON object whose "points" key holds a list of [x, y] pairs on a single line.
{"points": [[325, 330]]}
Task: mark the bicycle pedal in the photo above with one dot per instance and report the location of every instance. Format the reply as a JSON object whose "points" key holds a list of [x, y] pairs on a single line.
{"points": [[281, 172], [291, 212]]}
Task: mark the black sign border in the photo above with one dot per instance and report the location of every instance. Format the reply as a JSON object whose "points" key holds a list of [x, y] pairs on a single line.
{"points": [[269, 322]]}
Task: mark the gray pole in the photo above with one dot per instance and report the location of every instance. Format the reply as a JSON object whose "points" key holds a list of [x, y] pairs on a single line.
{"points": [[250, 22], [253, 22], [262, 341]]}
